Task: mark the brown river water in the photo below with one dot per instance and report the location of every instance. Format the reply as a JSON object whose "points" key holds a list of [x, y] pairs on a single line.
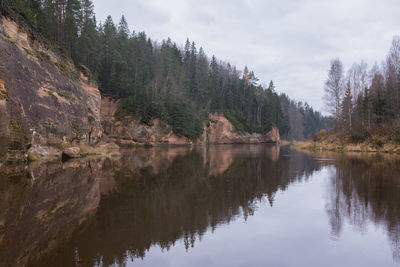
{"points": [[239, 205]]}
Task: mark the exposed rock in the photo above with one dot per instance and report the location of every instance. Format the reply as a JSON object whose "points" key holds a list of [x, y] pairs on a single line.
{"points": [[220, 130], [15, 156], [37, 139], [48, 104], [129, 131], [111, 149], [3, 91], [4, 131], [15, 34], [102, 149], [72, 153], [43, 153]]}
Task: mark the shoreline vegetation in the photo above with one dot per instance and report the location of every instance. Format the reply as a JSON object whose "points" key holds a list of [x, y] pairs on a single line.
{"points": [[364, 106], [336, 142]]}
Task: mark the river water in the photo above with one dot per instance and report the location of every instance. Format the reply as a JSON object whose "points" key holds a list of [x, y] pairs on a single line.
{"points": [[242, 205]]}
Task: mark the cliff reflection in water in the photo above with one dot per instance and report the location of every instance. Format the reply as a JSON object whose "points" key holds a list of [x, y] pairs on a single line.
{"points": [[153, 197], [182, 201], [102, 211], [365, 188]]}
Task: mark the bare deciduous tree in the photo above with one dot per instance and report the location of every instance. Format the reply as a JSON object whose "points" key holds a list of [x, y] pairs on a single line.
{"points": [[357, 75], [334, 86], [393, 72]]}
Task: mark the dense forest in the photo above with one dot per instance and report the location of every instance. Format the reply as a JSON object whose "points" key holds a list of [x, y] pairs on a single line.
{"points": [[178, 84], [365, 103]]}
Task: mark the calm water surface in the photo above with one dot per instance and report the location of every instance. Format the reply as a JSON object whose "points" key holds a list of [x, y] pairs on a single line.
{"points": [[222, 206]]}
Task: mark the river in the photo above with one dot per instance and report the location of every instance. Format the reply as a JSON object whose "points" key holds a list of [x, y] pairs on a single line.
{"points": [[239, 205]]}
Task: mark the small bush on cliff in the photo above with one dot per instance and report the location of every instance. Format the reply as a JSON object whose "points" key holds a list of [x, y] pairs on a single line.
{"points": [[18, 135], [51, 94], [42, 55]]}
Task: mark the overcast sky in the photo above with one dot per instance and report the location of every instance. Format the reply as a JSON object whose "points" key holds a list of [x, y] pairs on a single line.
{"points": [[288, 41]]}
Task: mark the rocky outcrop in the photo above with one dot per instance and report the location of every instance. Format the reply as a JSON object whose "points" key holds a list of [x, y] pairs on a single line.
{"points": [[129, 131], [72, 153], [46, 104], [219, 130]]}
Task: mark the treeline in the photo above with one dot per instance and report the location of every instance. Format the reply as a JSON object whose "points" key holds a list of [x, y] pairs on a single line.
{"points": [[179, 85], [365, 103]]}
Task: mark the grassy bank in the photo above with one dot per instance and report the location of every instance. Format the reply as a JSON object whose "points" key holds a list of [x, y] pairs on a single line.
{"points": [[338, 143]]}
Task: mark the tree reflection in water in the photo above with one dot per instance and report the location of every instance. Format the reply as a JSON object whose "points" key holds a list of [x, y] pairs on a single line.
{"points": [[366, 188], [106, 211], [179, 195]]}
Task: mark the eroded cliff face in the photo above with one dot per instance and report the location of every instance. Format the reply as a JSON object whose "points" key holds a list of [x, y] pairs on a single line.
{"points": [[46, 104], [219, 130], [129, 131]]}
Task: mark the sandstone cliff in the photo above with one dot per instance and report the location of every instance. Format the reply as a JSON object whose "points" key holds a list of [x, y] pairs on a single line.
{"points": [[129, 131], [46, 104], [217, 130]]}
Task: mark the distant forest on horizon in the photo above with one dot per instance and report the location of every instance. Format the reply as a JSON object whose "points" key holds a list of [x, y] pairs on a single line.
{"points": [[179, 85]]}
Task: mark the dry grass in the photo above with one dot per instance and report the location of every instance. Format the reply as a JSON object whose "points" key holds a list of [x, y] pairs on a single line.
{"points": [[335, 142]]}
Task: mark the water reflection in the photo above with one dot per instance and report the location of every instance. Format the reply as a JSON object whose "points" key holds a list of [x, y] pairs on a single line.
{"points": [[363, 189], [105, 211], [178, 195], [38, 203]]}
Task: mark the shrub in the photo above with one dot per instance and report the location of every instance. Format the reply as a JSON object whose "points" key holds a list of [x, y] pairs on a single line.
{"points": [[377, 142], [51, 94], [320, 136], [42, 55]]}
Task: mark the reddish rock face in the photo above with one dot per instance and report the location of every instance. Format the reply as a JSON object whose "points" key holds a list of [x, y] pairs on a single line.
{"points": [[129, 131], [54, 102], [221, 131], [2, 90]]}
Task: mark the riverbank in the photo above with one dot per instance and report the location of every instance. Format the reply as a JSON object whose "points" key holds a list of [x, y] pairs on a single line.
{"points": [[339, 144]]}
